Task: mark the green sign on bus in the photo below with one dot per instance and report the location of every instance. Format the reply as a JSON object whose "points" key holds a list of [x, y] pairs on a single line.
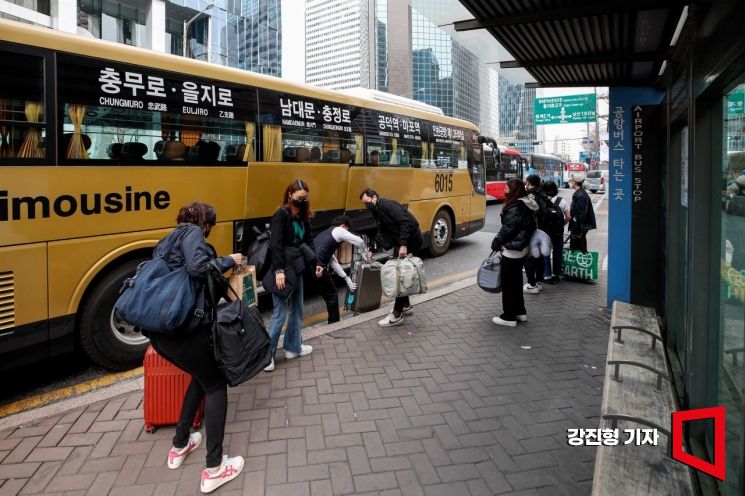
{"points": [[565, 109]]}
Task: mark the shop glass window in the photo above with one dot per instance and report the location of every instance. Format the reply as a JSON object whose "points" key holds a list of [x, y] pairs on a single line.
{"points": [[23, 124], [731, 369], [118, 114]]}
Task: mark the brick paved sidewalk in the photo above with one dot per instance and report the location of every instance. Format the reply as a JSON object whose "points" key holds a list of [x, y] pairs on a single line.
{"points": [[448, 404]]}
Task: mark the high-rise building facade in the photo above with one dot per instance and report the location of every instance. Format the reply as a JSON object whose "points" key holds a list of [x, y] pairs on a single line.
{"points": [[333, 32], [245, 34], [389, 45]]}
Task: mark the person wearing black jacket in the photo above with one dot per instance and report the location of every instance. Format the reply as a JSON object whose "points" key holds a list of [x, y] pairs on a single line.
{"points": [[534, 267], [190, 350], [582, 215], [398, 229], [513, 240], [292, 251]]}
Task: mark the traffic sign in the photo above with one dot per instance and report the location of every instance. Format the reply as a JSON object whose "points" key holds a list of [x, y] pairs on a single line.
{"points": [[565, 109]]}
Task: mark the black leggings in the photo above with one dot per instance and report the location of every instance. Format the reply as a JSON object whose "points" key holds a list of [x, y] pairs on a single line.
{"points": [[192, 353], [513, 303]]}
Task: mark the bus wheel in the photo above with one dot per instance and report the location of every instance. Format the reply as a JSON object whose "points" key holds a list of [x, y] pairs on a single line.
{"points": [[109, 341], [441, 234]]}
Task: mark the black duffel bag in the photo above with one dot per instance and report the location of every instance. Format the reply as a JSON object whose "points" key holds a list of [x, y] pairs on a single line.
{"points": [[240, 342]]}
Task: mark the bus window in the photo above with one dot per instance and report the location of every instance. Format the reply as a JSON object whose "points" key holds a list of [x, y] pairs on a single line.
{"points": [[300, 129], [121, 114], [395, 140], [22, 120], [447, 147]]}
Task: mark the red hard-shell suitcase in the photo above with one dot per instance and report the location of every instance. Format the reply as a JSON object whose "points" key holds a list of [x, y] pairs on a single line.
{"points": [[165, 386]]}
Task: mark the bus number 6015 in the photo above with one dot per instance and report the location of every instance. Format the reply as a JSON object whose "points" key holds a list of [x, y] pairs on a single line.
{"points": [[443, 182]]}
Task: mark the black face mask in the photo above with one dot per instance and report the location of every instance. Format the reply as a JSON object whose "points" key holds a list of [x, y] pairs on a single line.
{"points": [[302, 204], [370, 206]]}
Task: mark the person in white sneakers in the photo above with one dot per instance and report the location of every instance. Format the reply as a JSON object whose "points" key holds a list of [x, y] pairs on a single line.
{"points": [[190, 350], [292, 254], [397, 229], [513, 239]]}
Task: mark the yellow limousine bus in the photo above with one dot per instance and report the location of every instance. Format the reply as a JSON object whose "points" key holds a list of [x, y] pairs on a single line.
{"points": [[102, 143]]}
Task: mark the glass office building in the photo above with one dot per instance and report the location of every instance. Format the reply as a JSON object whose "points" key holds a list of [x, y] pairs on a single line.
{"points": [[244, 34]]}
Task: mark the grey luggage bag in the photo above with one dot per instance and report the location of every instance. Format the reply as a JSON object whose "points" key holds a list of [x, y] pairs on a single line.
{"points": [[369, 290], [366, 275]]}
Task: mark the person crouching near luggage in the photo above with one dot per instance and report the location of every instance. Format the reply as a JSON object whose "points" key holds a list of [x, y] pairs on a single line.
{"points": [[191, 351], [327, 242], [292, 251], [399, 230], [513, 240]]}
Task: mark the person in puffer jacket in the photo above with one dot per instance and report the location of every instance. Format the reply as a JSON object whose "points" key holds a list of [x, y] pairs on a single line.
{"points": [[513, 240], [191, 351]]}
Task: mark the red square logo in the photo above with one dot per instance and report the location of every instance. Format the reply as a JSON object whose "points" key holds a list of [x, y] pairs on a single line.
{"points": [[716, 469]]}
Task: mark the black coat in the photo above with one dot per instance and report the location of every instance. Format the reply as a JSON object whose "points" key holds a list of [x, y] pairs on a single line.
{"points": [[282, 238], [285, 255], [518, 225], [581, 212], [397, 225]]}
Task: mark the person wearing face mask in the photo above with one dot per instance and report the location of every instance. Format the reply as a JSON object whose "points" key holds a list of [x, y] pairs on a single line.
{"points": [[191, 351], [397, 229], [292, 252]]}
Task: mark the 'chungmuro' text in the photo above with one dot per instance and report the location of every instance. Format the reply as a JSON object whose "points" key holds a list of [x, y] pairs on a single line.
{"points": [[42, 207]]}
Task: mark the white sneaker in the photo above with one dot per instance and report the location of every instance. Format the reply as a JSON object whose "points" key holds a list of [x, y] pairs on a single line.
{"points": [[229, 470], [531, 289], [539, 285], [270, 367], [522, 318], [390, 320], [177, 456], [408, 310], [502, 322], [305, 349]]}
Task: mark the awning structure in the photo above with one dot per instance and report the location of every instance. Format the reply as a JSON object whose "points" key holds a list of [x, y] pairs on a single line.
{"points": [[587, 43]]}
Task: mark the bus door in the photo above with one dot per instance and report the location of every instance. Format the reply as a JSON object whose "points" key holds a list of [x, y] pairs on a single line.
{"points": [[478, 178]]}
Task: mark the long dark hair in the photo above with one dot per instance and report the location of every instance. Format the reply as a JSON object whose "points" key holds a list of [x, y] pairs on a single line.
{"points": [[295, 186], [517, 191], [197, 213]]}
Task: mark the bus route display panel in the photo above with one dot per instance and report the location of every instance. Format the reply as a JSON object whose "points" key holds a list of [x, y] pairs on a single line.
{"points": [[105, 83], [298, 111]]}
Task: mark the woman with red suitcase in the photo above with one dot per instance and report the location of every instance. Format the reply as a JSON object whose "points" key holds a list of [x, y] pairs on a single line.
{"points": [[190, 351]]}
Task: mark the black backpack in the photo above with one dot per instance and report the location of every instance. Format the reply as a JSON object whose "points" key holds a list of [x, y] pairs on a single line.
{"points": [[553, 218]]}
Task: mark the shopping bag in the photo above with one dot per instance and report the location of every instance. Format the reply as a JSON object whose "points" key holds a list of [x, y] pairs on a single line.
{"points": [[243, 282], [403, 277], [489, 275], [580, 265]]}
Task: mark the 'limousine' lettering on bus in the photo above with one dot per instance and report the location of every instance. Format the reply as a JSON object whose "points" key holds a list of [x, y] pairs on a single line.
{"points": [[13, 207]]}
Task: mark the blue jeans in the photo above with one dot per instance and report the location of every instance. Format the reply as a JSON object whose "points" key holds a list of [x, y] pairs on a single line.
{"points": [[293, 334], [557, 240]]}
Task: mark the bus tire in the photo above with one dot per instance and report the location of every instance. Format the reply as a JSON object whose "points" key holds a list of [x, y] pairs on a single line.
{"points": [[441, 233], [106, 340]]}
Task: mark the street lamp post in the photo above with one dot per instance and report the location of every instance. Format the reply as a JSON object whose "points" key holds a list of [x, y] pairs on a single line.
{"points": [[188, 23]]}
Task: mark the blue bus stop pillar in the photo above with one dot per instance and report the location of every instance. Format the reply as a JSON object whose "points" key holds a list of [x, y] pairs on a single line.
{"points": [[621, 189]]}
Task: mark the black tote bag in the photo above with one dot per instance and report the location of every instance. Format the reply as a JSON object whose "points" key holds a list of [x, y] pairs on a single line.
{"points": [[240, 342]]}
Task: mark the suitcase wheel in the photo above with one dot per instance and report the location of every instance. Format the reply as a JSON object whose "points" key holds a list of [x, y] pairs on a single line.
{"points": [[151, 428]]}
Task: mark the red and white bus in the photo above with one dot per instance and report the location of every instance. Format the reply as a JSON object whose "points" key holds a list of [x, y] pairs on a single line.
{"points": [[502, 164], [571, 168]]}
